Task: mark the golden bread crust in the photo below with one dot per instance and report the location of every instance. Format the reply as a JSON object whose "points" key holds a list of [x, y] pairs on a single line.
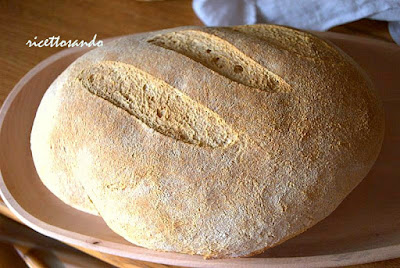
{"points": [[181, 151]]}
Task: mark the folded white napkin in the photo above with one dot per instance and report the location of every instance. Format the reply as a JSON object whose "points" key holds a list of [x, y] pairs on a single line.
{"points": [[318, 15]]}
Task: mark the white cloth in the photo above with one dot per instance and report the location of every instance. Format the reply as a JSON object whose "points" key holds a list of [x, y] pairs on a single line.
{"points": [[319, 15]]}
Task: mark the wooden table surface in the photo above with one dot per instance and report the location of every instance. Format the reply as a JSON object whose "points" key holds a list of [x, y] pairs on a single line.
{"points": [[21, 21]]}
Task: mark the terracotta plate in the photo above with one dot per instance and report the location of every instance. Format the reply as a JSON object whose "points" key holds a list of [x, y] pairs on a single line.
{"points": [[365, 227]]}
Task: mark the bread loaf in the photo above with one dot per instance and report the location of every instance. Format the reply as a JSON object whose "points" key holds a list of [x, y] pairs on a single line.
{"points": [[220, 142]]}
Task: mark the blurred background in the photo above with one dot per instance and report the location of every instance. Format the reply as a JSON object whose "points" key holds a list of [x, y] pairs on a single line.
{"points": [[81, 19]]}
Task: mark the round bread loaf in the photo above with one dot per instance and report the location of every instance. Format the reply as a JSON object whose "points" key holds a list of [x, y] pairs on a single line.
{"points": [[221, 142]]}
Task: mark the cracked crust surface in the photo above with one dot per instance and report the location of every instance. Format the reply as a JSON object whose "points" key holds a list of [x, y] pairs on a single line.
{"points": [[228, 166]]}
